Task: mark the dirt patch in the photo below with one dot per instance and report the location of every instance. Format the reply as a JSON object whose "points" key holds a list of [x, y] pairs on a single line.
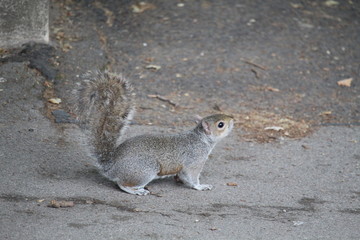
{"points": [[261, 126]]}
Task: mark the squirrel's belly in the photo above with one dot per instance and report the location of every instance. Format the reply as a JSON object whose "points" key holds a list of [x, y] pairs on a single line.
{"points": [[169, 169]]}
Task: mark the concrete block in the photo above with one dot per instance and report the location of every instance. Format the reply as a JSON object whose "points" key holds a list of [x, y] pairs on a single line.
{"points": [[23, 21]]}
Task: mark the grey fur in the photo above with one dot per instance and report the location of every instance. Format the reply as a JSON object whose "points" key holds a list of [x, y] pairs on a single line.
{"points": [[105, 106]]}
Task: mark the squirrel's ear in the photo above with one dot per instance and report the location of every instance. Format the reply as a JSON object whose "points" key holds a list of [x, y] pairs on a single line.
{"points": [[206, 127]]}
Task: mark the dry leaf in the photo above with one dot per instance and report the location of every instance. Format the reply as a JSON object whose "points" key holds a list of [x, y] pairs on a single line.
{"points": [[331, 3], [109, 14], [60, 204], [275, 128], [296, 5], [325, 113], [55, 100], [48, 84], [66, 47], [153, 67], [2, 50], [345, 82], [271, 89], [232, 184], [141, 7]]}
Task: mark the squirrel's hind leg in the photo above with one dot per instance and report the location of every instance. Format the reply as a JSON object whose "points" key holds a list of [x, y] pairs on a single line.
{"points": [[190, 177], [134, 190]]}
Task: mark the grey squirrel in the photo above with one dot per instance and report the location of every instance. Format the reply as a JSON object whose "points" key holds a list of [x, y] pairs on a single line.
{"points": [[106, 107]]}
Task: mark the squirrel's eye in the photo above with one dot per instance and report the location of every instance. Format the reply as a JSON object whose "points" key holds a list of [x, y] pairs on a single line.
{"points": [[220, 125]]}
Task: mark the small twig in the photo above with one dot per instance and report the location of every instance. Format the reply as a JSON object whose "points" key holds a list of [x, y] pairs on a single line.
{"points": [[217, 107], [164, 99], [256, 73], [256, 65]]}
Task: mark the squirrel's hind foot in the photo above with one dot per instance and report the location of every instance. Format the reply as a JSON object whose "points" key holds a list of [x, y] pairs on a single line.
{"points": [[203, 187], [135, 190]]}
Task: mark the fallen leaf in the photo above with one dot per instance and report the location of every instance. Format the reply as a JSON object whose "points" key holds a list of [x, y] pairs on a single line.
{"points": [[271, 89], [2, 50], [55, 100], [109, 14], [345, 82], [40, 200], [153, 67], [141, 7], [325, 113], [232, 184], [66, 47], [48, 84], [275, 128], [331, 3], [156, 194], [296, 5], [149, 59], [61, 204]]}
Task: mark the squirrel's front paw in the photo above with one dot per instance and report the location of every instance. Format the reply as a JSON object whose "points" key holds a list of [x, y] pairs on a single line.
{"points": [[203, 187]]}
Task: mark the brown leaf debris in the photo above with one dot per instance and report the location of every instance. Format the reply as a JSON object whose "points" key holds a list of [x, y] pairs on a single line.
{"points": [[345, 82], [61, 204]]}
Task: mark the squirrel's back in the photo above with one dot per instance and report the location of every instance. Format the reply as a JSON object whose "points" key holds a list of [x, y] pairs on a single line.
{"points": [[105, 107]]}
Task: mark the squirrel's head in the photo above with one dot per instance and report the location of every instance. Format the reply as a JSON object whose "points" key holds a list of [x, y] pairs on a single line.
{"points": [[217, 126]]}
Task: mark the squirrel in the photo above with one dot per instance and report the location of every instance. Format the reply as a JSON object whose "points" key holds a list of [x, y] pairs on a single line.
{"points": [[106, 107]]}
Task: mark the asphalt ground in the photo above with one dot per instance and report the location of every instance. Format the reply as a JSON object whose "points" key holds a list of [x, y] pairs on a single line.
{"points": [[270, 64]]}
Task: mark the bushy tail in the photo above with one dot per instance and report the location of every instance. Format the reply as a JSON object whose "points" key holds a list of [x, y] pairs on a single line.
{"points": [[105, 107]]}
